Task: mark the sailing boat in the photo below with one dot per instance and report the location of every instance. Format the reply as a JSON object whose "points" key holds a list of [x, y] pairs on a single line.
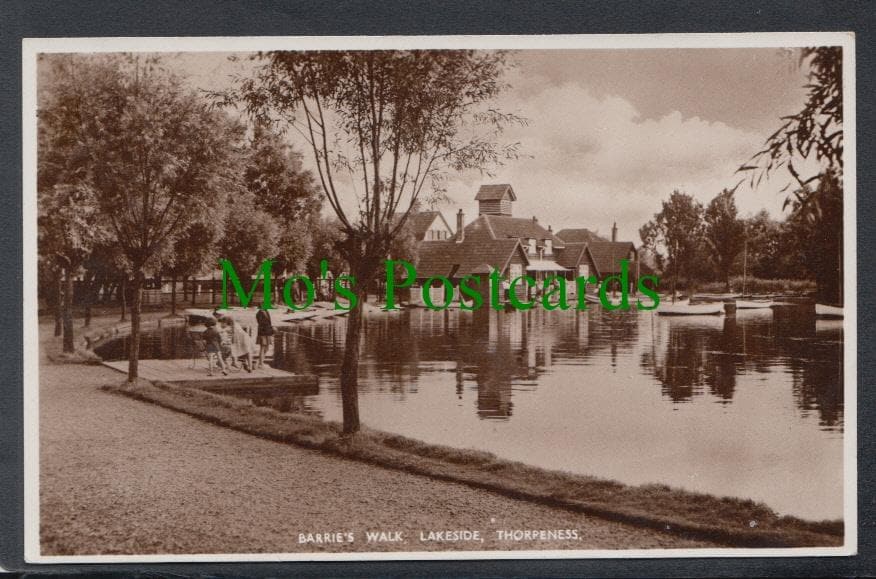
{"points": [[749, 304]]}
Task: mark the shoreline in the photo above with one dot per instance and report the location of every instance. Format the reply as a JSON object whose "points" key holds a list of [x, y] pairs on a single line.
{"points": [[724, 520]]}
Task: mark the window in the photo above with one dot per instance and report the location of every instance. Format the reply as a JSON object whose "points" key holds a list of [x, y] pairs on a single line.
{"points": [[531, 249], [548, 246]]}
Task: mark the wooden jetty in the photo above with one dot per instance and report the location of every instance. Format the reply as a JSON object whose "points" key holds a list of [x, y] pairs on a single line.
{"points": [[181, 373]]}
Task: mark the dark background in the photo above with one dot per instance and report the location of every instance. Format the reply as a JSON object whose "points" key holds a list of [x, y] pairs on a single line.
{"points": [[21, 19]]}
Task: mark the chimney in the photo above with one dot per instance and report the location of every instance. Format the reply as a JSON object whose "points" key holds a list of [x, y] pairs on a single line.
{"points": [[534, 219], [460, 226], [550, 229], [614, 231]]}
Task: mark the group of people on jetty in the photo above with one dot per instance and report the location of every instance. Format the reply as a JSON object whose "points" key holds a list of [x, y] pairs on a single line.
{"points": [[226, 339]]}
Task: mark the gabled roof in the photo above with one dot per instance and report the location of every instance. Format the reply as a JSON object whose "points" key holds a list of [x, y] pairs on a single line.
{"points": [[607, 255], [571, 255], [503, 227], [578, 236], [452, 259], [419, 222], [495, 192]]}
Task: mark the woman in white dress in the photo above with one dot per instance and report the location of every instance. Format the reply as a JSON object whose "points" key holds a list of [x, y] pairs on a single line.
{"points": [[241, 344]]}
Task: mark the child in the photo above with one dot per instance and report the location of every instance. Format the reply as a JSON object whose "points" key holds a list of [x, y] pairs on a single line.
{"points": [[213, 341], [265, 334]]}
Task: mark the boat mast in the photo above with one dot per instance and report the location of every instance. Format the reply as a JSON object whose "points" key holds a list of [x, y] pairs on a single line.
{"points": [[744, 260]]}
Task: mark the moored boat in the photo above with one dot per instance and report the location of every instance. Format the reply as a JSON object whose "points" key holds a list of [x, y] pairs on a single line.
{"points": [[685, 308], [825, 311]]}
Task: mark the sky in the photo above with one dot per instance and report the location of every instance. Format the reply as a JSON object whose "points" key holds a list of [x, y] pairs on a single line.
{"points": [[611, 133]]}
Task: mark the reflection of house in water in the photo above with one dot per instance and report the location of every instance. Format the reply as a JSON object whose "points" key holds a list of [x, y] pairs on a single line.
{"points": [[495, 367]]}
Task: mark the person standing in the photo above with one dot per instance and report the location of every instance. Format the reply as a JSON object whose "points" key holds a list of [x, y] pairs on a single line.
{"points": [[241, 344], [213, 343], [265, 336]]}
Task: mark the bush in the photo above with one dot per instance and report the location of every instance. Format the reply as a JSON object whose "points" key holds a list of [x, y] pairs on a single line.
{"points": [[754, 285]]}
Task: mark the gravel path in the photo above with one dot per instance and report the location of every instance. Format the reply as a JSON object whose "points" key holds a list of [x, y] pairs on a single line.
{"points": [[120, 476]]}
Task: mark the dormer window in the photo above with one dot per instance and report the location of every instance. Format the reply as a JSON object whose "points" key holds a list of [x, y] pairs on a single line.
{"points": [[548, 246], [531, 249]]}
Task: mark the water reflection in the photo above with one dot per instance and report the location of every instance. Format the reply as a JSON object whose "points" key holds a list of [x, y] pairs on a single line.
{"points": [[748, 405]]}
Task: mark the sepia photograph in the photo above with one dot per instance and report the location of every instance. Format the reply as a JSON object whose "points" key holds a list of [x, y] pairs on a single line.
{"points": [[347, 298]]}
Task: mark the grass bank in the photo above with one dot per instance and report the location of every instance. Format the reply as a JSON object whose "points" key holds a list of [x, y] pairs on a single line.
{"points": [[729, 521]]}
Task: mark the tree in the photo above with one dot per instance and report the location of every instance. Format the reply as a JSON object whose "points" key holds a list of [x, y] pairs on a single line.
{"points": [[249, 235], [724, 234], [815, 132], [280, 185], [194, 250], [383, 127], [155, 155], [68, 227], [676, 230]]}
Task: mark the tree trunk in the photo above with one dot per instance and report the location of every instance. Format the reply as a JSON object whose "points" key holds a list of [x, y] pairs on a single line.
{"points": [[350, 367], [123, 299], [173, 295], [134, 352], [88, 285], [59, 305], [194, 290], [68, 310]]}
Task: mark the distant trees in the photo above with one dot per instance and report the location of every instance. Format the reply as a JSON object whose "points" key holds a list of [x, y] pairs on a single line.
{"points": [[696, 244], [193, 251], [288, 194], [724, 234], [383, 127], [249, 236], [678, 231]]}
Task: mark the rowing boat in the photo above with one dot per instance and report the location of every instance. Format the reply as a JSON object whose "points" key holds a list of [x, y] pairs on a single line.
{"points": [[685, 308], [824, 311]]}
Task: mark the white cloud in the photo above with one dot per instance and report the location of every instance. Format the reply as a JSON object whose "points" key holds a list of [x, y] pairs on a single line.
{"points": [[591, 161]]}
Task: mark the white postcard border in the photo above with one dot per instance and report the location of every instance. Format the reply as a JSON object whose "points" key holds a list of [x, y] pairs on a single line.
{"points": [[31, 47]]}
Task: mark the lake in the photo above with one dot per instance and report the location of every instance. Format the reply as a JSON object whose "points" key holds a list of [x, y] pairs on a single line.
{"points": [[748, 406]]}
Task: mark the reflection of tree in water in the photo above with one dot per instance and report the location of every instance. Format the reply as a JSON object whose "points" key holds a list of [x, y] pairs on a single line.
{"points": [[680, 372], [815, 356], [701, 354], [722, 363], [167, 343]]}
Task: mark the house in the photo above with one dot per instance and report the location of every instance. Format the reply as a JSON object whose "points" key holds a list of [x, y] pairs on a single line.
{"points": [[514, 246], [604, 256], [578, 236], [475, 253], [429, 226], [577, 259]]}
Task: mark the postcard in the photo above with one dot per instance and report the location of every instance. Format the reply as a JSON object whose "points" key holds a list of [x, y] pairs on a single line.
{"points": [[376, 298]]}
